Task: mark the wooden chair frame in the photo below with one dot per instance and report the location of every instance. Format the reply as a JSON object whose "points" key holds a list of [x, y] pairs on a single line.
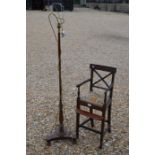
{"points": [[106, 106]]}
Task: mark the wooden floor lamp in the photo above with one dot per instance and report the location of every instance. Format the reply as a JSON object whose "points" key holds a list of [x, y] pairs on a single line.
{"points": [[60, 133]]}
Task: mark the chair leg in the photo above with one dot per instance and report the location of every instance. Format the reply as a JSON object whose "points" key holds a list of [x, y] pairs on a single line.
{"points": [[109, 119], [102, 134], [91, 120], [77, 124]]}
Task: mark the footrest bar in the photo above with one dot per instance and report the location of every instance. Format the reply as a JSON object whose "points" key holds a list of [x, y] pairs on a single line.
{"points": [[85, 122], [87, 128]]}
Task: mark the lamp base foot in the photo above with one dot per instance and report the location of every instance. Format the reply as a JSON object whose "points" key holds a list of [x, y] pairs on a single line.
{"points": [[60, 134]]}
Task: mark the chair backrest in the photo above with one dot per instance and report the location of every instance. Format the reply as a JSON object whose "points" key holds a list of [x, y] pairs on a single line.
{"points": [[107, 79]]}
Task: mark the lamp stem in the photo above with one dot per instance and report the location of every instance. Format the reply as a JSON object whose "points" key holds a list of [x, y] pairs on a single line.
{"points": [[60, 80]]}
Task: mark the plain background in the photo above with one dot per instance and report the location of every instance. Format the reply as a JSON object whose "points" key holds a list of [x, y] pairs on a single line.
{"points": [[13, 77]]}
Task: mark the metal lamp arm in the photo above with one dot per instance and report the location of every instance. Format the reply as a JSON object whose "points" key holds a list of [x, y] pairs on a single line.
{"points": [[59, 21]]}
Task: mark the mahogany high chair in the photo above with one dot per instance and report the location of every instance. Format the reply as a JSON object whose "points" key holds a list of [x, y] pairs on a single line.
{"points": [[96, 104]]}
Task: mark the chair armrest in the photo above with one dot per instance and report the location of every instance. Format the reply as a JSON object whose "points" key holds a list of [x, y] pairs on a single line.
{"points": [[82, 83]]}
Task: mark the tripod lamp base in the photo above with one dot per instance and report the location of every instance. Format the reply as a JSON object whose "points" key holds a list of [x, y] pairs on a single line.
{"points": [[60, 134]]}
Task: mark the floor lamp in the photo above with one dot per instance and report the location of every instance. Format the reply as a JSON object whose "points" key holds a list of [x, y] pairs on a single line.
{"points": [[60, 133]]}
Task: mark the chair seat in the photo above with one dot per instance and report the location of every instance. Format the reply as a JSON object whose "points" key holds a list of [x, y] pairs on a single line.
{"points": [[94, 97]]}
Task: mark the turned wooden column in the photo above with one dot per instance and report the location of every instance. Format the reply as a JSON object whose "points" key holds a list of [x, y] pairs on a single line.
{"points": [[60, 80]]}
